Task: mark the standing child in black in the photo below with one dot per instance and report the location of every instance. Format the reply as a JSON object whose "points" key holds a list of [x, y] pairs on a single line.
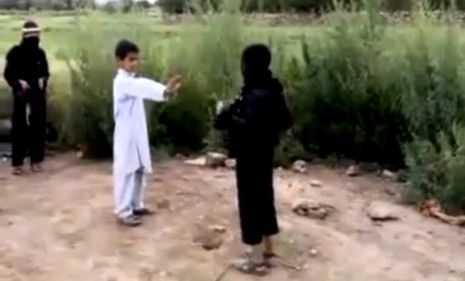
{"points": [[27, 74], [254, 122]]}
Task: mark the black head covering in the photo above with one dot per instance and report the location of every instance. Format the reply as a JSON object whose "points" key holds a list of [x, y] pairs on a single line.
{"points": [[256, 61], [30, 40]]}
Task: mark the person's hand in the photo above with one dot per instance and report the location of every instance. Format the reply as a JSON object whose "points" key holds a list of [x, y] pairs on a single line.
{"points": [[42, 84], [173, 85], [24, 85]]}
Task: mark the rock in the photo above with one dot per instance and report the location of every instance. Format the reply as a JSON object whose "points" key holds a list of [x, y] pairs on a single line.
{"points": [[313, 252], [80, 154], [230, 163], [315, 183], [200, 161], [313, 210], [163, 204], [214, 159], [353, 171], [163, 274], [208, 239], [381, 211], [389, 175], [218, 229], [299, 166]]}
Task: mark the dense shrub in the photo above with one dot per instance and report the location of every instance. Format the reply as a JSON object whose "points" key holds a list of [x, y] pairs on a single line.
{"points": [[357, 89]]}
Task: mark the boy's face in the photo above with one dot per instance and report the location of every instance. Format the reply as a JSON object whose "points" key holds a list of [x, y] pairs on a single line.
{"points": [[130, 63]]}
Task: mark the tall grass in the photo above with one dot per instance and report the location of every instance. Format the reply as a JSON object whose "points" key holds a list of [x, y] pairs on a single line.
{"points": [[359, 88]]}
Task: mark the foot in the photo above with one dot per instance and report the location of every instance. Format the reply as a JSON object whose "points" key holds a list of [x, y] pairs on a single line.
{"points": [[248, 266], [37, 168], [268, 258], [143, 212], [18, 171], [130, 221]]}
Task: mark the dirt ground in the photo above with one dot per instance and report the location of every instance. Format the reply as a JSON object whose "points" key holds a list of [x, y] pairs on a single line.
{"points": [[58, 226]]}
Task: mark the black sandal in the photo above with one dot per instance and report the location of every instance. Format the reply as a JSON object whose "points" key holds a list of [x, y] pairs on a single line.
{"points": [[247, 266]]}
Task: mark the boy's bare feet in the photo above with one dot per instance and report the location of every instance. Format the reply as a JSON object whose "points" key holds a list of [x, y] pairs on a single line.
{"points": [[131, 221]]}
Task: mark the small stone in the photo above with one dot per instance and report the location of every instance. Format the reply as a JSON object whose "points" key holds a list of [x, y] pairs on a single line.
{"points": [[163, 274], [315, 183], [230, 163], [313, 252], [313, 210], [389, 175], [208, 240], [299, 166], [80, 154], [214, 159], [218, 229], [200, 161], [163, 204], [381, 211], [353, 171]]}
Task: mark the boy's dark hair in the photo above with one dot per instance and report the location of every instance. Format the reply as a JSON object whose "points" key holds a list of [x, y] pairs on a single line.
{"points": [[256, 56], [30, 24], [125, 47]]}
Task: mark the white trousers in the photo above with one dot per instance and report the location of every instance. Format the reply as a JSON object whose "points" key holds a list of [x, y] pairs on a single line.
{"points": [[128, 192]]}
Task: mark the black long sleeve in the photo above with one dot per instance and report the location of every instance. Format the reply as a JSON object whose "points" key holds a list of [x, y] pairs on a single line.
{"points": [[11, 72], [43, 69]]}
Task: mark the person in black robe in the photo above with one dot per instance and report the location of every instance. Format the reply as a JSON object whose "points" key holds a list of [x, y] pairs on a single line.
{"points": [[254, 122], [27, 74]]}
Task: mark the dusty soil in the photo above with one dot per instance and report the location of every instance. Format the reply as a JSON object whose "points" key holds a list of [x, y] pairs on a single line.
{"points": [[58, 226]]}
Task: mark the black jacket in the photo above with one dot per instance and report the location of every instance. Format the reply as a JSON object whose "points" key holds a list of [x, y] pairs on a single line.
{"points": [[26, 64], [256, 119]]}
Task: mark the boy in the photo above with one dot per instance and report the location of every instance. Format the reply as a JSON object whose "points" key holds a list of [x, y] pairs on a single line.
{"points": [[131, 146], [27, 74], [254, 122]]}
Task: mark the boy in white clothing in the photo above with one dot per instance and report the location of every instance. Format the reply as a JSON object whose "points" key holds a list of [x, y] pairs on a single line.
{"points": [[131, 145]]}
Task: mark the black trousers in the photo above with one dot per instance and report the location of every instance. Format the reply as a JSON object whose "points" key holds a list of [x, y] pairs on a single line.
{"points": [[28, 128], [254, 174]]}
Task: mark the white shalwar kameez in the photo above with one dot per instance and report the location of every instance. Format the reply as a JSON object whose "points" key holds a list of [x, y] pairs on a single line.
{"points": [[131, 149]]}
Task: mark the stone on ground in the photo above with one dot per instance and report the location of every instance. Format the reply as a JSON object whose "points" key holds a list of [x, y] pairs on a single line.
{"points": [[230, 163], [381, 211], [353, 171], [215, 159], [315, 183], [199, 161], [207, 239], [313, 210], [299, 166]]}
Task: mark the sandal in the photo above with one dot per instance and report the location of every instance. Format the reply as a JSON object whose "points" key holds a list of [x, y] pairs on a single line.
{"points": [[18, 171], [268, 259], [143, 212], [247, 266]]}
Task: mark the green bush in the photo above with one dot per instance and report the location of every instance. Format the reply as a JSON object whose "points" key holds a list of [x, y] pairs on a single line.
{"points": [[347, 102]]}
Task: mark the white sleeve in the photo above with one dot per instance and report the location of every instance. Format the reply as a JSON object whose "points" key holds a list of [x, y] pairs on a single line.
{"points": [[144, 88]]}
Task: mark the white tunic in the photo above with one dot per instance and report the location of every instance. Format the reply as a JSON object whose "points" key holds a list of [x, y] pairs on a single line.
{"points": [[131, 150]]}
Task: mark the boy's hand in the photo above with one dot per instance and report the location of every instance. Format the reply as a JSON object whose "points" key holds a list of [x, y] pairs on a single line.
{"points": [[24, 85], [173, 85]]}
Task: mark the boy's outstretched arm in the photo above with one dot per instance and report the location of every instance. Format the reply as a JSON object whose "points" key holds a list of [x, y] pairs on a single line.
{"points": [[150, 89]]}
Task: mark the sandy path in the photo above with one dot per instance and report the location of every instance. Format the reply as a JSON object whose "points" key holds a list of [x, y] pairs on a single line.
{"points": [[59, 227]]}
